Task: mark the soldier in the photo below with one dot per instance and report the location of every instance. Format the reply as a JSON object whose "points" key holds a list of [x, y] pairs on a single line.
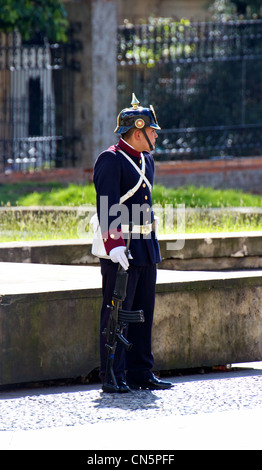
{"points": [[123, 178]]}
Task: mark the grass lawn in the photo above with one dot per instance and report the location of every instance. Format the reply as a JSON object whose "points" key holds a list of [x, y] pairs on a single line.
{"points": [[21, 226], [55, 194]]}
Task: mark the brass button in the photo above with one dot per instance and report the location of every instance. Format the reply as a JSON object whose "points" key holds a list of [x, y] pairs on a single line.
{"points": [[112, 235], [146, 197], [140, 161], [147, 209], [144, 185], [105, 240]]}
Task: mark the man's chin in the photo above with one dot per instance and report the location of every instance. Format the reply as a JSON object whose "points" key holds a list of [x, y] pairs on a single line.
{"points": [[149, 149]]}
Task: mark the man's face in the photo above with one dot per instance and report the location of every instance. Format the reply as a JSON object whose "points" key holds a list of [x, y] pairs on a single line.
{"points": [[152, 135]]}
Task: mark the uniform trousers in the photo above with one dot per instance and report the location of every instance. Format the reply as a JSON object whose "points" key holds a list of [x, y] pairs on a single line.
{"points": [[140, 295]]}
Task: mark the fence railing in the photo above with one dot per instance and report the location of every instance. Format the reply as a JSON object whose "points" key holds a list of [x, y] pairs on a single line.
{"points": [[179, 41], [204, 80]]}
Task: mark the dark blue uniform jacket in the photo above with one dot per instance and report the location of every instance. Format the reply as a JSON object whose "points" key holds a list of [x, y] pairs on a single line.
{"points": [[114, 175]]}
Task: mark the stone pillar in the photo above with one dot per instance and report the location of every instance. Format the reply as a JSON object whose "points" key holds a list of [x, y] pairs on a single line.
{"points": [[96, 80]]}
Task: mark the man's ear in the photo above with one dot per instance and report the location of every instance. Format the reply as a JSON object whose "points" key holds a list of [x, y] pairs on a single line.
{"points": [[137, 135]]}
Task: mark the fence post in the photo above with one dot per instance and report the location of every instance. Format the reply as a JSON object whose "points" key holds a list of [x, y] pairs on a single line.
{"points": [[96, 81]]}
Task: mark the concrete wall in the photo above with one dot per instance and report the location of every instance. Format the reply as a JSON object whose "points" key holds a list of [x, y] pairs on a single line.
{"points": [[200, 252], [50, 335], [209, 322], [200, 320], [213, 252], [238, 173], [49, 314]]}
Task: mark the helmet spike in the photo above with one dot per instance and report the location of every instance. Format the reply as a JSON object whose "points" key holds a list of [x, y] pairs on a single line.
{"points": [[134, 101]]}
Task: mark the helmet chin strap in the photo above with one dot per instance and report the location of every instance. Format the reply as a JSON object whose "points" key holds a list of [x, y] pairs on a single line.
{"points": [[148, 141]]}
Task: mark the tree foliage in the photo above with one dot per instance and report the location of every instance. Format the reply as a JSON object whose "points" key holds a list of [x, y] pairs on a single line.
{"points": [[228, 9], [34, 19]]}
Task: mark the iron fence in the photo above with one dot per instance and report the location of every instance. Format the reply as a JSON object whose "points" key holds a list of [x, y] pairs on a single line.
{"points": [[36, 105], [204, 80]]}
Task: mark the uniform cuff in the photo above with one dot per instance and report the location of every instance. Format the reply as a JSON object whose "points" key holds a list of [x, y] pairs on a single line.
{"points": [[112, 239]]}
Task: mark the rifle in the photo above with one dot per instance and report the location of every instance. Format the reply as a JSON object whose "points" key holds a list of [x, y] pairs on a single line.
{"points": [[118, 320]]}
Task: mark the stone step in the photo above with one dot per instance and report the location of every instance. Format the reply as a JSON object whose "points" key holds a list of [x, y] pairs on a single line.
{"points": [[207, 251]]}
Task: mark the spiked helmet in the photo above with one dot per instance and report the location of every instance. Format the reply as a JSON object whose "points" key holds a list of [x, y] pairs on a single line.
{"points": [[136, 116]]}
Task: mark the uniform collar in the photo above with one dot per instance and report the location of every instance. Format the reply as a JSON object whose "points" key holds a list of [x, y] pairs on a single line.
{"points": [[127, 148]]}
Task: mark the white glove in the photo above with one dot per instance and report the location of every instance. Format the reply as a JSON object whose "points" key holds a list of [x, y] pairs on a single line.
{"points": [[117, 255]]}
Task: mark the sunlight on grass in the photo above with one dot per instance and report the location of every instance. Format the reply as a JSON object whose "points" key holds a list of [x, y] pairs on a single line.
{"points": [[47, 225], [18, 226], [76, 195]]}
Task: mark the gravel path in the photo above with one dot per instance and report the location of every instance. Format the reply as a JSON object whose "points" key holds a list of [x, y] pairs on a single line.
{"points": [[54, 407]]}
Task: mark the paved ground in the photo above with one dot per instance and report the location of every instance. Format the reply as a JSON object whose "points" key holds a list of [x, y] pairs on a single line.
{"points": [[221, 410]]}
